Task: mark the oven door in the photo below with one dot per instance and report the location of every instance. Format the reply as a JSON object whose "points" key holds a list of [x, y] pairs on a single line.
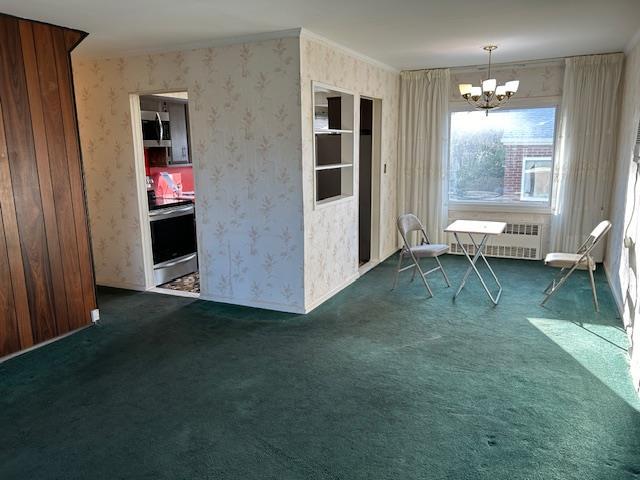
{"points": [[173, 233]]}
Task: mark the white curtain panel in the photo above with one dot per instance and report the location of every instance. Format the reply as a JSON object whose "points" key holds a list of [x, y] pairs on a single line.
{"points": [[422, 148], [585, 148]]}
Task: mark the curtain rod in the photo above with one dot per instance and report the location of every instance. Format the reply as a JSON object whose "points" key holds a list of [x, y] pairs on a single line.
{"points": [[521, 63]]}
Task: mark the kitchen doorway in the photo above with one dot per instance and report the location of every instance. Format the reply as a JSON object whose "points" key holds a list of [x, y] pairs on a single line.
{"points": [[369, 174], [166, 192]]}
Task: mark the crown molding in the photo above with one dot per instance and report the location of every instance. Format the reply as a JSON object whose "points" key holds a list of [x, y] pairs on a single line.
{"points": [[549, 62], [352, 53], [219, 42]]}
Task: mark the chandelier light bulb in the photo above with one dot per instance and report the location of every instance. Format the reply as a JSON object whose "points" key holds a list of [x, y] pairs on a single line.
{"points": [[512, 86], [465, 89], [489, 86]]}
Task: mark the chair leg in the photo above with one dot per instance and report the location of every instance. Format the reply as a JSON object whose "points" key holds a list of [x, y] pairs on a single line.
{"points": [[555, 288], [444, 274], [413, 273], [395, 278], [424, 280], [593, 290], [552, 283], [418, 270]]}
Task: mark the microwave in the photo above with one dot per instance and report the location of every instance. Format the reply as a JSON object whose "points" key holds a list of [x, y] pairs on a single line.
{"points": [[156, 129]]}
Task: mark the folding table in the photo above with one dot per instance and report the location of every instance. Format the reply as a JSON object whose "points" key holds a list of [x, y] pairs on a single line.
{"points": [[486, 229]]}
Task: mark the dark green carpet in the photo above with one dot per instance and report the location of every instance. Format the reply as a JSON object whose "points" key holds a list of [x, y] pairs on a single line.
{"points": [[372, 385]]}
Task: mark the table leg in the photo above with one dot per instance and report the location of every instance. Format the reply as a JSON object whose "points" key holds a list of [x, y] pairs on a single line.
{"points": [[478, 254]]}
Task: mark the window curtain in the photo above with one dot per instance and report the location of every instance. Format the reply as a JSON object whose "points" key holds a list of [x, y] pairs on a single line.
{"points": [[422, 148], [585, 148]]}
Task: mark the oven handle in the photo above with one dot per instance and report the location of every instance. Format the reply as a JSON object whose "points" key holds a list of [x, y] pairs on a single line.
{"points": [[177, 262], [165, 213], [161, 130]]}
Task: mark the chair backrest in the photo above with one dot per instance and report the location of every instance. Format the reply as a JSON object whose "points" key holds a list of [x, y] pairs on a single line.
{"points": [[408, 223], [595, 236]]}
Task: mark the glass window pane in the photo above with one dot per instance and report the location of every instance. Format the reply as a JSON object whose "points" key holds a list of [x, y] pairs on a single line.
{"points": [[505, 157]]}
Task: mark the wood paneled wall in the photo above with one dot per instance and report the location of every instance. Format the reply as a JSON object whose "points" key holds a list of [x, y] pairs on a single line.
{"points": [[46, 270]]}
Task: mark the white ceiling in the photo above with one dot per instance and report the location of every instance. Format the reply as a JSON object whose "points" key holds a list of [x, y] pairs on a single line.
{"points": [[401, 33]]}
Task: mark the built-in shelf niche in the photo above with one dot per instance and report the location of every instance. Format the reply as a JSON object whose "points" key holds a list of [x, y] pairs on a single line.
{"points": [[333, 115]]}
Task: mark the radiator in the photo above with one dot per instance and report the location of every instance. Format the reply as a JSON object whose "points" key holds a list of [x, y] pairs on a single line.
{"points": [[519, 240]]}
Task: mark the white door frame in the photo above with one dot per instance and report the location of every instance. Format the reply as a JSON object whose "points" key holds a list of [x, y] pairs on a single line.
{"points": [[376, 184], [141, 192]]}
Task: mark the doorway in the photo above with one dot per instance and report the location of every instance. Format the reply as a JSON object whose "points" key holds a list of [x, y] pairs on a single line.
{"points": [[167, 196], [369, 183]]}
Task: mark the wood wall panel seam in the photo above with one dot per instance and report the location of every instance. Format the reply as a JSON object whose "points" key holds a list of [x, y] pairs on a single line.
{"points": [[9, 336], [63, 66], [12, 243], [60, 176], [44, 170], [47, 283], [25, 182]]}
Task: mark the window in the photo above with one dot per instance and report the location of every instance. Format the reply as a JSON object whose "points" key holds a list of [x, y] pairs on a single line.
{"points": [[536, 178], [506, 157]]}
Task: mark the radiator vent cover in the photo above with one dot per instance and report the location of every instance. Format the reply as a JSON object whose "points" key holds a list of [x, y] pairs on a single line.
{"points": [[519, 240], [522, 229]]}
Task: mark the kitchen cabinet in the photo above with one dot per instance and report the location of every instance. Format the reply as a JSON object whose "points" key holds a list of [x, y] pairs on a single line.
{"points": [[178, 115]]}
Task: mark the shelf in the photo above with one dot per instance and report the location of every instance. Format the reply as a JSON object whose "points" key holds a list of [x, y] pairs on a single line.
{"points": [[334, 200], [330, 131], [332, 166]]}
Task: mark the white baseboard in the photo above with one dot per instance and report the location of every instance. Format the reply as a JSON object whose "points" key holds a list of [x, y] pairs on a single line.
{"points": [[278, 307], [618, 301], [175, 293], [361, 271], [316, 303], [390, 253], [635, 376], [124, 285]]}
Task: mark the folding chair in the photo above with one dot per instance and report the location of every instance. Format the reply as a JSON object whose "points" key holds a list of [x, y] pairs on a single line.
{"points": [[581, 260], [409, 223]]}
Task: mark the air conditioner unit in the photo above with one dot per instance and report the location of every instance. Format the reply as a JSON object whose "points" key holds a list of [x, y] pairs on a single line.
{"points": [[519, 240]]}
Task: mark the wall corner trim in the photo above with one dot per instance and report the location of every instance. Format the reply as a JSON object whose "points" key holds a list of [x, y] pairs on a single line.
{"points": [[353, 53], [633, 41]]}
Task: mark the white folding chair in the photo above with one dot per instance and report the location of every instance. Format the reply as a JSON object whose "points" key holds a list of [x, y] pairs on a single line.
{"points": [[581, 260], [409, 223]]}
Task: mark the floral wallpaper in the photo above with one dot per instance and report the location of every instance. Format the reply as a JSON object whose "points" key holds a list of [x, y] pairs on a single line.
{"points": [[622, 263], [244, 103], [331, 232], [536, 80]]}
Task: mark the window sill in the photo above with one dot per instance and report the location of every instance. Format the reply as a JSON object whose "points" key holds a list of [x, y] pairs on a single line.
{"points": [[534, 208]]}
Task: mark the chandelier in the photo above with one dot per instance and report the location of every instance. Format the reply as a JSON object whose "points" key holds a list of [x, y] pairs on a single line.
{"points": [[489, 95]]}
